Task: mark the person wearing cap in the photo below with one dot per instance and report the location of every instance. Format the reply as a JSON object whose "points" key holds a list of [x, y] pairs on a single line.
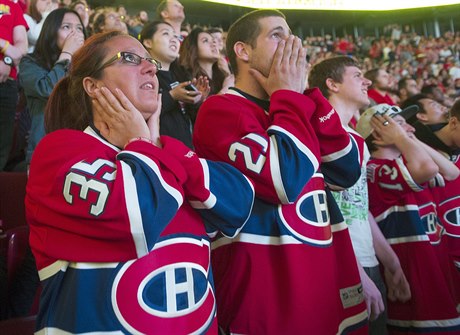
{"points": [[445, 138], [400, 166], [341, 81]]}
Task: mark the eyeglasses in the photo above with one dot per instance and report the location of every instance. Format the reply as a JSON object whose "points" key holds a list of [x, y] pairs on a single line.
{"points": [[130, 58]]}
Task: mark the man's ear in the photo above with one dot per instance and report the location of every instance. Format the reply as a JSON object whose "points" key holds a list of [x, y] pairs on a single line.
{"points": [[453, 122], [331, 85], [90, 85], [421, 117], [241, 51], [164, 14]]}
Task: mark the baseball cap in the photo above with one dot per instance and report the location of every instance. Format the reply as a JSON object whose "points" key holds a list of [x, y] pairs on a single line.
{"points": [[364, 127]]}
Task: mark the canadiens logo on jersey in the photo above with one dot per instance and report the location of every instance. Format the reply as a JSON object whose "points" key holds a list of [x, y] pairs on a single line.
{"points": [[449, 211], [429, 217], [308, 219], [165, 291], [432, 227]]}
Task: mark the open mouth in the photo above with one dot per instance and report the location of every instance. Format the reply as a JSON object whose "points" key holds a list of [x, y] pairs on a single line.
{"points": [[148, 86]]}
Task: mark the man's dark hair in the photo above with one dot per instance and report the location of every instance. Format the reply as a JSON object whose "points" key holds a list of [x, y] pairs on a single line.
{"points": [[455, 110], [414, 100], [333, 68], [402, 83], [372, 75], [246, 29]]}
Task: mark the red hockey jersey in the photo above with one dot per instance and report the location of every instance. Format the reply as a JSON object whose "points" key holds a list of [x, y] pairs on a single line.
{"points": [[393, 203], [291, 269], [117, 248]]}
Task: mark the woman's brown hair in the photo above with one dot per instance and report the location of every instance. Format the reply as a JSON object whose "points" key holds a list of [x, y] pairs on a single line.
{"points": [[68, 105]]}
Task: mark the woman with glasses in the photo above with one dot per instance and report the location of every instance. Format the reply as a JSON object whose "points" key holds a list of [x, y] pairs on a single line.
{"points": [[118, 245], [62, 35], [179, 93]]}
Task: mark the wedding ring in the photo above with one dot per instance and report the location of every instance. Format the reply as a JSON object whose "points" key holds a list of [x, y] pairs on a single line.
{"points": [[386, 123]]}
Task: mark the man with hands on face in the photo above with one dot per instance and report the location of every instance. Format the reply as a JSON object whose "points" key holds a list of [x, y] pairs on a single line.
{"points": [[291, 269], [399, 168]]}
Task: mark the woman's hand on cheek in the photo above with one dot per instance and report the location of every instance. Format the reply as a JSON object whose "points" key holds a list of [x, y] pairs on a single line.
{"points": [[118, 119]]}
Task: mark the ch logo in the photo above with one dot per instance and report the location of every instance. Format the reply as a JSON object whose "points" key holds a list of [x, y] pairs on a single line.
{"points": [[432, 227], [308, 219], [168, 289], [453, 216]]}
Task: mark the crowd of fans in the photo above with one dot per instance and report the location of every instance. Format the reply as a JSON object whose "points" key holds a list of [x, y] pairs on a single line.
{"points": [[192, 64], [433, 62]]}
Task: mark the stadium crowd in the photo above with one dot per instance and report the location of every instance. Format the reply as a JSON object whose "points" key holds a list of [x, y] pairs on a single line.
{"points": [[433, 62], [364, 126]]}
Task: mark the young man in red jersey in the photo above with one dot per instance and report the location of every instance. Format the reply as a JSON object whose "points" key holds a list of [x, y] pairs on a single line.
{"points": [[292, 269]]}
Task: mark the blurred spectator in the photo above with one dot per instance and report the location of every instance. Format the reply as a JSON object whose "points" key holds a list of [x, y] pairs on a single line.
{"points": [[82, 8], [171, 11], [121, 10], [217, 34], [62, 34], [13, 45], [456, 88], [434, 92], [162, 42], [200, 57], [375, 51], [454, 71], [407, 87], [137, 23], [185, 29], [64, 3], [36, 14], [381, 86], [107, 19]]}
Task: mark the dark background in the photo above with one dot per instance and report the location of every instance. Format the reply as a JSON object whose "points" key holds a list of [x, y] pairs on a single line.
{"points": [[313, 22]]}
